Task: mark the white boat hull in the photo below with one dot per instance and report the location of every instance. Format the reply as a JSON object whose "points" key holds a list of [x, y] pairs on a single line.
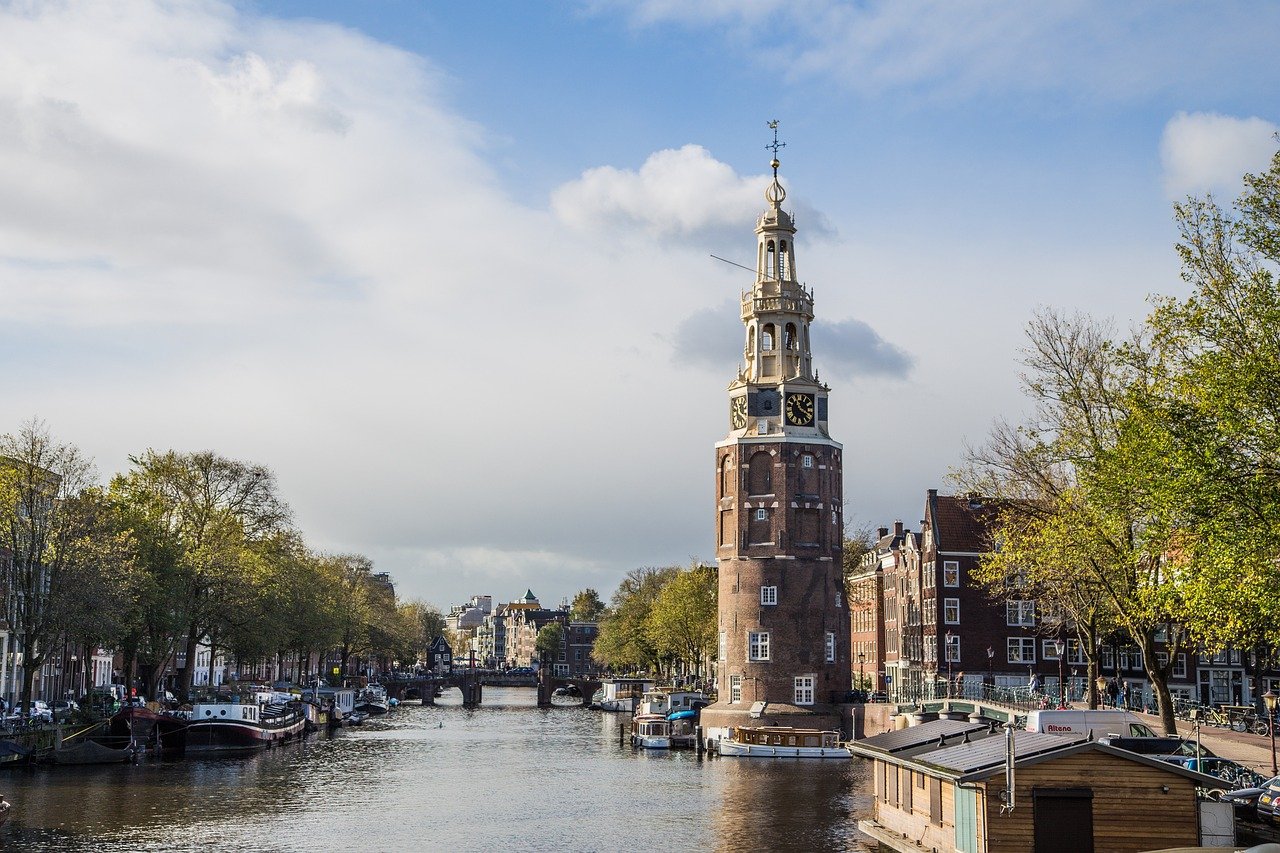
{"points": [[653, 742], [756, 750]]}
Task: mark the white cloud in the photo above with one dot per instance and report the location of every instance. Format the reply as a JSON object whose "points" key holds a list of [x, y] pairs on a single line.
{"points": [[1207, 152], [1081, 49], [675, 192]]}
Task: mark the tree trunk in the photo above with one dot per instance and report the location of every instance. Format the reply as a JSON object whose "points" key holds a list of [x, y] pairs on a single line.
{"points": [[189, 671], [1159, 684]]}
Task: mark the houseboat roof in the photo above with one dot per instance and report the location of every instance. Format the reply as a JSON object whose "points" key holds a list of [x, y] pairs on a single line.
{"points": [[977, 751]]}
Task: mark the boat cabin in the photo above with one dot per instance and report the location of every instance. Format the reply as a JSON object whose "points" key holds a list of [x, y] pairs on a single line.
{"points": [[785, 736], [971, 787]]}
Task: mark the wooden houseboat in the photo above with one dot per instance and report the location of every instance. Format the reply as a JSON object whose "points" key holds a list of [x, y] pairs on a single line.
{"points": [[944, 786], [782, 742]]}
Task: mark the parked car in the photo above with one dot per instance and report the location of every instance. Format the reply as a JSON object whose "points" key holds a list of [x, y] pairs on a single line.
{"points": [[64, 708], [1267, 799], [1160, 746], [1245, 801], [40, 710], [521, 670]]}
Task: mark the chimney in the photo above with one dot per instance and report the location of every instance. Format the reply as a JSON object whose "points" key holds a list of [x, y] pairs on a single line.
{"points": [[897, 527], [884, 531]]}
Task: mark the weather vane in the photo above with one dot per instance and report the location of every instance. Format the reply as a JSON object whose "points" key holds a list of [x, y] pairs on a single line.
{"points": [[774, 146]]}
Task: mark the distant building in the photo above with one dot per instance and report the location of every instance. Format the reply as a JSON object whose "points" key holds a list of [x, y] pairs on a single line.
{"points": [[469, 616], [440, 656]]}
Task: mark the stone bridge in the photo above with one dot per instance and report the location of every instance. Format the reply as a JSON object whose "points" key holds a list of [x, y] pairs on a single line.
{"points": [[471, 683]]}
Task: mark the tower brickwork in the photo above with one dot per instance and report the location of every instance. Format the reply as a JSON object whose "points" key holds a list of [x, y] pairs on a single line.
{"points": [[784, 627]]}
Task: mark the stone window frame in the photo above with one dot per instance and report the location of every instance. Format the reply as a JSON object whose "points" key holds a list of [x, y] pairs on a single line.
{"points": [[758, 646]]}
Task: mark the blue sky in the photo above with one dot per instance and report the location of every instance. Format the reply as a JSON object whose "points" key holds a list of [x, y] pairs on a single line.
{"points": [[445, 266]]}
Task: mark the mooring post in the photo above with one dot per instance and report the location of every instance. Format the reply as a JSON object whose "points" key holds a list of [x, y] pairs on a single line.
{"points": [[697, 734]]}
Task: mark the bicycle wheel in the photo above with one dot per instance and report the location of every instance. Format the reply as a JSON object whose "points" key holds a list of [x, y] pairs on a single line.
{"points": [[1260, 727], [1238, 725]]}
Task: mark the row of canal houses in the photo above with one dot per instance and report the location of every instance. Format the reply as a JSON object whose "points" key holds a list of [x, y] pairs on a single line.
{"points": [[921, 621], [506, 636]]}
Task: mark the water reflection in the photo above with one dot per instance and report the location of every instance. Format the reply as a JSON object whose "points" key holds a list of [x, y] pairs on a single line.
{"points": [[504, 775]]}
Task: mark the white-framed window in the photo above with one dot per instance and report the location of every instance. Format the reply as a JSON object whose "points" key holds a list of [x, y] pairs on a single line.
{"points": [[724, 647], [829, 647], [1108, 658], [839, 599], [1048, 649], [930, 611], [762, 514], [1180, 667], [1022, 649], [952, 643], [804, 689], [735, 688], [950, 573], [768, 595], [757, 645], [1075, 653], [1130, 657], [1020, 613], [806, 460], [951, 611]]}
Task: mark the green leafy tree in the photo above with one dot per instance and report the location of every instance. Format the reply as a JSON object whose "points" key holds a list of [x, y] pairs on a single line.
{"points": [[587, 606], [207, 514], [549, 641], [1077, 483], [55, 537], [682, 624], [1215, 415], [623, 641]]}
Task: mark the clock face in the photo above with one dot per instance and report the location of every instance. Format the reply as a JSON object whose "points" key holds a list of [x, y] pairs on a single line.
{"points": [[738, 412], [799, 409]]}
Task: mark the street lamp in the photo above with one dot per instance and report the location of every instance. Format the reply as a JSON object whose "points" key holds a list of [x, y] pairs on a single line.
{"points": [[950, 637], [862, 658], [1270, 699], [1060, 647]]}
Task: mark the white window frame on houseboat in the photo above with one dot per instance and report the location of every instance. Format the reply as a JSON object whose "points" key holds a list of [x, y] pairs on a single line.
{"points": [[829, 647], [951, 611], [768, 595], [951, 573], [804, 689], [757, 645], [1021, 649], [735, 689], [1020, 613]]}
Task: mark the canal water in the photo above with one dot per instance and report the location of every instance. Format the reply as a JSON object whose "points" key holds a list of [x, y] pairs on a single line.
{"points": [[504, 776]]}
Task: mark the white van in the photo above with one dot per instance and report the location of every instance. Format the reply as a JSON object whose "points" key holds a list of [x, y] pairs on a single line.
{"points": [[1098, 723]]}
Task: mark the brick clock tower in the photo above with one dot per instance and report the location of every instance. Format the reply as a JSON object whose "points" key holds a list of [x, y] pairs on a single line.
{"points": [[784, 629]]}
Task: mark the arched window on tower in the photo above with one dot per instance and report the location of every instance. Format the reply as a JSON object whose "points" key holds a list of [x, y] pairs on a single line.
{"points": [[784, 268], [751, 339], [726, 476], [770, 260], [760, 474], [766, 337], [789, 342]]}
